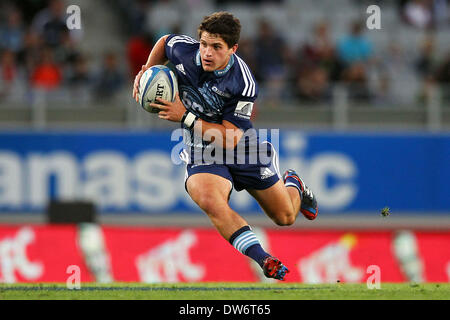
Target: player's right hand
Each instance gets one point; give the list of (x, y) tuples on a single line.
[(136, 83)]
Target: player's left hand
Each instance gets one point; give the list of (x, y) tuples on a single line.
[(172, 111)]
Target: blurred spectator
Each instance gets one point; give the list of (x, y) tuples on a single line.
[(12, 34), (443, 70), (138, 50), (110, 79), (29, 55), (8, 66), (320, 50), (79, 81), (79, 75), (425, 61), (441, 13), (443, 77), (425, 67), (272, 56), (355, 77), (68, 51), (28, 8), (8, 74), (355, 47), (418, 13), (37, 50), (316, 66), (137, 15), (313, 85), (47, 75), (425, 93), (50, 23), (354, 52)]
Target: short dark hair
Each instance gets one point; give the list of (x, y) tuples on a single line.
[(223, 24)]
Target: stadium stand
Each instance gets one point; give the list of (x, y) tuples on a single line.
[(48, 72)]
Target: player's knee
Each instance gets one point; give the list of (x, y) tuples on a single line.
[(208, 204), (286, 219)]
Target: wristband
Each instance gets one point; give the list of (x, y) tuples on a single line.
[(189, 119)]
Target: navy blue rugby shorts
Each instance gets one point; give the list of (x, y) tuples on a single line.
[(241, 176)]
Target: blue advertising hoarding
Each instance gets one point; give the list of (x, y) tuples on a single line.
[(140, 172)]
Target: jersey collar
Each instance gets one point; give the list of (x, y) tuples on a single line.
[(217, 73)]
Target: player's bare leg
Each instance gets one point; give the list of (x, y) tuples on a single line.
[(285, 199), (211, 192), (280, 203)]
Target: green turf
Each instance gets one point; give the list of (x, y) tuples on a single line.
[(225, 291)]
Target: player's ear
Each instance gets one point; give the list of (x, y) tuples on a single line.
[(234, 48)]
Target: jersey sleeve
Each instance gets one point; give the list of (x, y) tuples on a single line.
[(178, 47), (239, 110)]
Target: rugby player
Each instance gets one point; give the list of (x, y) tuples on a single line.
[(217, 91)]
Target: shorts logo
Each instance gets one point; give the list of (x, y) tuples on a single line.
[(244, 109), (266, 173)]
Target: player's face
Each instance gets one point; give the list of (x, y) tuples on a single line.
[(214, 52)]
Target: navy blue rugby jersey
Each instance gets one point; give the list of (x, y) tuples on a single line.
[(226, 94)]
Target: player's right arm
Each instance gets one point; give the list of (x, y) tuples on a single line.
[(157, 56)]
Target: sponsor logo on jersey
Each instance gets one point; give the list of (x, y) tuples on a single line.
[(220, 93), (244, 109)]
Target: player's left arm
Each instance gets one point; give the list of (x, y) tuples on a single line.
[(156, 56), (225, 135)]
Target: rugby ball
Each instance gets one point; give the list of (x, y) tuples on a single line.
[(157, 82)]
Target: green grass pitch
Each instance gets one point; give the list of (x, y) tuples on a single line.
[(225, 291)]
